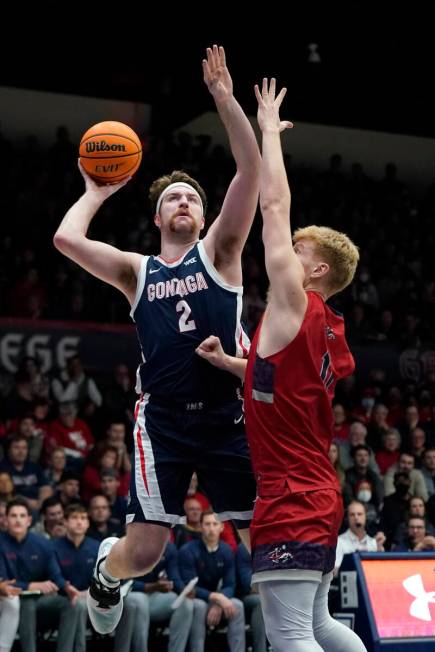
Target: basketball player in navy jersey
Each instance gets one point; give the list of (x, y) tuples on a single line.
[(189, 416), (297, 355)]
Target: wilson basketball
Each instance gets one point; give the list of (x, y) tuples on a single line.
[(110, 151)]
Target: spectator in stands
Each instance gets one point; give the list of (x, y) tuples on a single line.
[(412, 421), (69, 488), (377, 426), (104, 456), (406, 463), (417, 507), (27, 477), (356, 538), (3, 521), (364, 493), (389, 453), (9, 614), (418, 445), (363, 411), (214, 564), (120, 397), (151, 599), (101, 523), (395, 507), (74, 386), (76, 554), (341, 426), (30, 384), (428, 470), (51, 523), (110, 484), (29, 559), (357, 437), (72, 434), (417, 539), (185, 532), (116, 436), (361, 471), (35, 437), (334, 456), (250, 598), (7, 488), (55, 468)]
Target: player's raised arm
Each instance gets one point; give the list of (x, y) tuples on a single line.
[(118, 268), (284, 269), (230, 230)]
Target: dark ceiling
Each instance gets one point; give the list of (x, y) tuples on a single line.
[(372, 74)]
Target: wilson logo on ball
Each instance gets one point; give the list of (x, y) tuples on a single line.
[(102, 146)]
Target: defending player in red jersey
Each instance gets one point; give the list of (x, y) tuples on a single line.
[(297, 355)]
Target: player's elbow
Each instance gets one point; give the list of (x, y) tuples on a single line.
[(63, 242)]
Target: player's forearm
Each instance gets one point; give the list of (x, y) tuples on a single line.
[(243, 142), (274, 188), (76, 222), (236, 366)]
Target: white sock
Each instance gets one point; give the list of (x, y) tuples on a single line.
[(106, 578)]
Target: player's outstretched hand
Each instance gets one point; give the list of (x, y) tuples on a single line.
[(268, 107), (216, 74), (101, 192), (211, 349)]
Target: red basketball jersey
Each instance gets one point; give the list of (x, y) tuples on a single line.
[(288, 401)]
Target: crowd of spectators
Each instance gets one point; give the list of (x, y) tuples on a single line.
[(66, 437)]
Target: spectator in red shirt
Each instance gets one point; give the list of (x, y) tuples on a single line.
[(71, 434), (341, 425), (103, 457), (390, 451)]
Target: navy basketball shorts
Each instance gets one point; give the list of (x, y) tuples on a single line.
[(171, 441)]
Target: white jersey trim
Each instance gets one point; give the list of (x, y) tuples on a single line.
[(140, 284), (175, 262), (299, 574), (212, 271)]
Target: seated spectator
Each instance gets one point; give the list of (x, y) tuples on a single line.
[(29, 385), (27, 477), (101, 523), (74, 386), (185, 532), (76, 555), (55, 468), (51, 522), (396, 506), (26, 427), (356, 538), (418, 445), (377, 426), (214, 564), (417, 507), (151, 600), (406, 463), (110, 488), (412, 420), (71, 434), (363, 411), (116, 437), (334, 456), (3, 521), (69, 488), (9, 614), (29, 559), (361, 471), (428, 470), (417, 539), (250, 598), (364, 493), (341, 425), (389, 452), (103, 457), (357, 437), (7, 488)]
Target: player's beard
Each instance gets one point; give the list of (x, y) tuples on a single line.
[(173, 225)]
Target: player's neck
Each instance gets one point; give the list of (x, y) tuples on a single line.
[(319, 291), (171, 250)]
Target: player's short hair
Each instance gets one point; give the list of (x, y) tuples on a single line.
[(158, 186), (337, 249)]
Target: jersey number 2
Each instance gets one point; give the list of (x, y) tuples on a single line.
[(184, 323)]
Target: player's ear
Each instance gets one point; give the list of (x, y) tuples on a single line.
[(157, 220), (320, 270), (202, 223)]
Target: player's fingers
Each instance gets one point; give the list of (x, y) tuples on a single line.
[(222, 56), (264, 88), (272, 88), (281, 96)]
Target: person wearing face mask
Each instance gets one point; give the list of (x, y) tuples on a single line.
[(364, 493), (356, 538), (396, 506)]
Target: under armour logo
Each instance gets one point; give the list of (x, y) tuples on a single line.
[(420, 606)]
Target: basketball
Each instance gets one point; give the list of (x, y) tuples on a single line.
[(110, 151)]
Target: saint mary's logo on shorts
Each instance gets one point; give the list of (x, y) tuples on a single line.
[(279, 555)]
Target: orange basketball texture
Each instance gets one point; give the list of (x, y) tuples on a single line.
[(110, 151)]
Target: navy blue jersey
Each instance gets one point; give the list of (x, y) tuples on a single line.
[(177, 306)]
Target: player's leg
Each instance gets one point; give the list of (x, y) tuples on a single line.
[(287, 607), (329, 633)]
